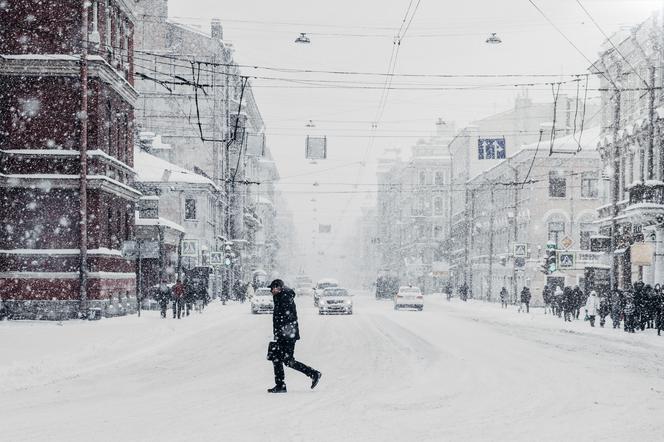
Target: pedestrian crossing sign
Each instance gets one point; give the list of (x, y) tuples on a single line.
[(566, 260), (521, 250)]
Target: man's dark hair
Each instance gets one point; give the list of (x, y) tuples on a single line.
[(276, 283)]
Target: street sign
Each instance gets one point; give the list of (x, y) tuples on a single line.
[(149, 249), (491, 148), (520, 250), (216, 258), (130, 250), (566, 260), (190, 247), (316, 148), (519, 262), (567, 242), (600, 243)]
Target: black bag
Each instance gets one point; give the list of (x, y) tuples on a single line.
[(273, 351)]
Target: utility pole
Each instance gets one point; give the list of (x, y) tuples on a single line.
[(615, 183), (491, 225), (83, 183), (516, 232), (651, 125), (469, 239)]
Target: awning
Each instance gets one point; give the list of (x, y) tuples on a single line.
[(620, 251)]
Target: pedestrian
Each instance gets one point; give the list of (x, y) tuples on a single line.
[(163, 297), (286, 333), (579, 300), (546, 297), (592, 307), (178, 298), (629, 311), (525, 299), (659, 309), (503, 297), (463, 292), (604, 309), (616, 308), (568, 304), (558, 298)]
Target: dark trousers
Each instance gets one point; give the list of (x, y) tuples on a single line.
[(286, 350), (591, 318)]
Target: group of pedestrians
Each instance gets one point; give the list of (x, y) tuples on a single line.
[(641, 306), (181, 298)]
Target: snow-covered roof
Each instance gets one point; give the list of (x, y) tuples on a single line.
[(150, 168), (159, 222)]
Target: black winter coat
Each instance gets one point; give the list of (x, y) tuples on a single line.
[(284, 318)]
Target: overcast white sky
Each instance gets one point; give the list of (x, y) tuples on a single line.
[(445, 37)]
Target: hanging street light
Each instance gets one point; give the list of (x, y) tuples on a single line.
[(302, 38), (493, 39)]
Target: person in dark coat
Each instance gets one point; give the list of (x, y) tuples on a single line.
[(503, 297), (568, 303), (286, 333), (163, 297), (178, 299), (546, 297), (579, 300), (616, 308), (630, 311), (525, 299), (659, 309)]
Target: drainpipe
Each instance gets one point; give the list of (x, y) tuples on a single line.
[(83, 190)]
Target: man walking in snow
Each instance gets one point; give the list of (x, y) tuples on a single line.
[(286, 333), (525, 300), (503, 297), (592, 307)]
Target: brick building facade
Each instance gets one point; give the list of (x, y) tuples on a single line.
[(41, 117)]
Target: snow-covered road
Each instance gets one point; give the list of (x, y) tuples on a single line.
[(454, 371)]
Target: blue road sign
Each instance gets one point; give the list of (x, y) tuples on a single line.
[(491, 149)]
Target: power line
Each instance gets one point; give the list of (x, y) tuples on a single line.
[(611, 42)]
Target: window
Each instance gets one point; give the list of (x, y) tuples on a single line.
[(189, 208), (423, 178), (438, 206), (556, 231), (586, 231), (557, 184), (589, 185), (440, 178)]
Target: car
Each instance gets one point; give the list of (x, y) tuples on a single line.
[(304, 289), (409, 297), (322, 285), (262, 301), (335, 300)]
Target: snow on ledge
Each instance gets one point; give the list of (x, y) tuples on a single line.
[(100, 251)]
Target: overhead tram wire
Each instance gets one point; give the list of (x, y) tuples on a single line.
[(592, 63), (613, 45)]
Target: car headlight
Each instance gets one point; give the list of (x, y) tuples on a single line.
[(349, 302)]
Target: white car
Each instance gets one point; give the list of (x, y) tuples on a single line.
[(335, 300), (322, 285), (409, 297), (262, 301), (304, 289)]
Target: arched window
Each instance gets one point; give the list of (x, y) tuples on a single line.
[(438, 206), (556, 228)]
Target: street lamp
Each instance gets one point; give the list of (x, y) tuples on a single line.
[(303, 38)]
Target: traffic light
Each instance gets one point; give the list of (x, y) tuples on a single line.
[(549, 264)]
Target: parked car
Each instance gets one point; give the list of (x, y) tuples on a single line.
[(322, 285), (262, 301), (335, 300), (409, 297)]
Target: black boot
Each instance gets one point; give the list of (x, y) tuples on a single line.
[(315, 378), (277, 389)]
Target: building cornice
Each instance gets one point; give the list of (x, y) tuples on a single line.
[(61, 65)]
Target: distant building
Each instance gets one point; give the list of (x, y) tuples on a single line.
[(632, 153), (521, 204), (41, 116)]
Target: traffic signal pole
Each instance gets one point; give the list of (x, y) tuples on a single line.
[(615, 186)]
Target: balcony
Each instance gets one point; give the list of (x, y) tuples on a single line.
[(647, 193)]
